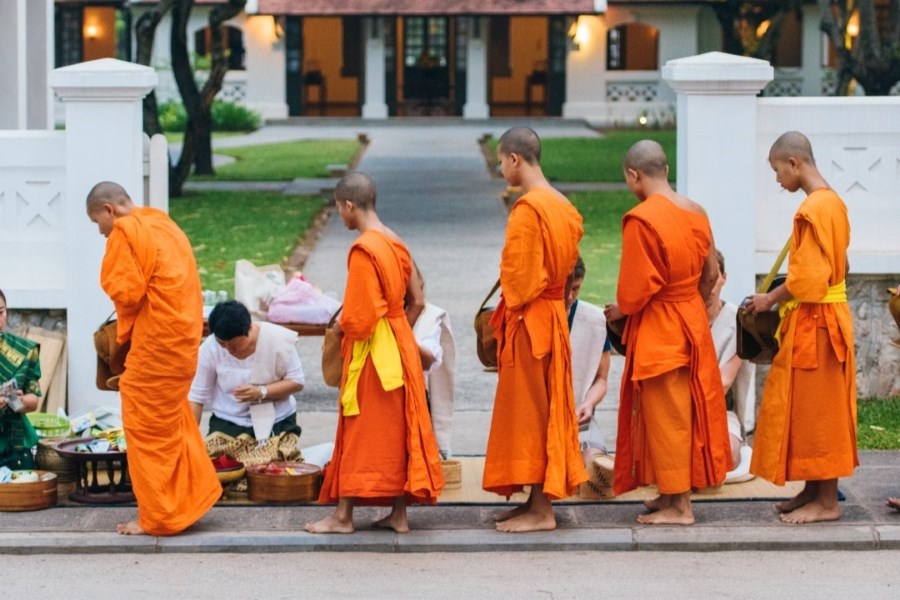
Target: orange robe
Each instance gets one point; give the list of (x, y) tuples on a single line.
[(389, 448), (150, 274), (672, 424), (534, 432), (807, 420)]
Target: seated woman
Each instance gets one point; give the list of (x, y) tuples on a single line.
[(19, 360), (244, 365)]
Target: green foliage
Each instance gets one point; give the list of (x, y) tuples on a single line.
[(878, 424), (262, 227), (226, 116), (172, 116), (596, 158), (284, 161), (601, 246), (229, 116)]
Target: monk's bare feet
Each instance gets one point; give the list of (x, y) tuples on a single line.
[(658, 503), (130, 528), (668, 516), (804, 497), (529, 521), (506, 515), (398, 523), (331, 524), (893, 503), (812, 512)]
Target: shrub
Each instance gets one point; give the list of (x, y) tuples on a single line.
[(172, 116), (229, 116), (226, 116)]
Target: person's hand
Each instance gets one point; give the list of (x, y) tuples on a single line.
[(613, 312), (247, 393), (585, 413), (758, 303)]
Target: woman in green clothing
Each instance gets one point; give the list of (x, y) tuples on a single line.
[(19, 360)]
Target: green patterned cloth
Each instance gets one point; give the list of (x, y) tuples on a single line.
[(19, 359)]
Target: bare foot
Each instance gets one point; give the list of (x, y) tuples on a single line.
[(398, 523), (668, 516), (658, 503), (130, 528), (518, 511), (812, 512), (801, 499), (529, 521), (330, 525), (894, 503)]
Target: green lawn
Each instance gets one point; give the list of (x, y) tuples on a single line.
[(262, 227), (601, 246), (283, 161), (596, 158), (176, 137), (878, 425)]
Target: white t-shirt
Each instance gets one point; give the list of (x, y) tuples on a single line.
[(219, 373)]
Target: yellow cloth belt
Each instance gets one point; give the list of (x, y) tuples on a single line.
[(382, 345), (836, 293)]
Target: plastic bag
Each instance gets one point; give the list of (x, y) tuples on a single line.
[(302, 302)]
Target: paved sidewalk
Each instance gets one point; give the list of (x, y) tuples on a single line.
[(722, 525)]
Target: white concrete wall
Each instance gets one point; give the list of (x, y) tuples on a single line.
[(855, 142), (266, 68), (34, 217)]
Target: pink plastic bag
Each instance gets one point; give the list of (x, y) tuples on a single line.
[(302, 302)]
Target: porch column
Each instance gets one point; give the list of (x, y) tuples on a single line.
[(104, 142), (717, 155), (476, 106), (374, 105), (13, 68), (39, 62)]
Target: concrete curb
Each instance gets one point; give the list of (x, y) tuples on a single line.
[(669, 539)]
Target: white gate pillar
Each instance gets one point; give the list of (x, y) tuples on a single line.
[(476, 106), (104, 142), (717, 155)]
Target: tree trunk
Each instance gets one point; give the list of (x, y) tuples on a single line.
[(145, 31), (187, 88), (203, 164)]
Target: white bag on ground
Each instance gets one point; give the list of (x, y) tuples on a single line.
[(302, 302), (255, 286)]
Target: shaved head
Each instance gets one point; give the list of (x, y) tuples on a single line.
[(793, 144), (107, 192), (647, 157), (356, 188), (521, 141)]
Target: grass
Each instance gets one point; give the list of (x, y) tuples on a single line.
[(596, 158), (283, 161), (878, 426), (601, 246), (262, 227), (176, 137)]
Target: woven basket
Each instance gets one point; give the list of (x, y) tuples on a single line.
[(28, 496), (48, 459), (49, 425), (264, 487), (452, 474)]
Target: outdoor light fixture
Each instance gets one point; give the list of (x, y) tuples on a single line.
[(578, 33), (853, 24), (763, 28), (91, 31), (278, 23)]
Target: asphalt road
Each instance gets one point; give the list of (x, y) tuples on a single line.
[(646, 575)]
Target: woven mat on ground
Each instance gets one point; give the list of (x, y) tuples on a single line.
[(471, 493)]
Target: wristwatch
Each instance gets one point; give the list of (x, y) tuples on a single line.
[(263, 392)]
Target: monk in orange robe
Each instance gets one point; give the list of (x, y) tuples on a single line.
[(534, 431), (150, 274), (807, 421), (672, 422), (385, 451)]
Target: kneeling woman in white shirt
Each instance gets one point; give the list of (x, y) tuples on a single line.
[(247, 375)]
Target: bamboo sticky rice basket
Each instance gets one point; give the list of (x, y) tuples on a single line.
[(34, 495), (303, 486)]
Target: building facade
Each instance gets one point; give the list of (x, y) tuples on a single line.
[(597, 60)]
